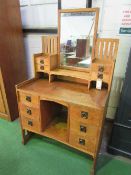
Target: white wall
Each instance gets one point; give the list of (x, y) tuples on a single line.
[(45, 15), (39, 13)]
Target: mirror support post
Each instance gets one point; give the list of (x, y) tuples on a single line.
[(88, 3), (59, 4)]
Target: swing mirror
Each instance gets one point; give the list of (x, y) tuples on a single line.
[(77, 35)]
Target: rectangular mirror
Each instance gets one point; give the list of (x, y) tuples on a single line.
[(77, 31)]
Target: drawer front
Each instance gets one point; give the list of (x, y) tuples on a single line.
[(104, 77), (81, 128), (82, 142), (30, 124), (85, 115), (101, 68), (29, 111), (41, 68), (29, 100), (43, 60)]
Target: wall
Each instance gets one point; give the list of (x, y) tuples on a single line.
[(43, 13)]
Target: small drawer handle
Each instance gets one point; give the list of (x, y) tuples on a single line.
[(28, 98), (100, 76), (42, 61), (28, 111), (81, 141), (83, 128), (101, 68), (30, 123), (42, 67), (84, 115)]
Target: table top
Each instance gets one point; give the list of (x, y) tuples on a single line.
[(67, 92)]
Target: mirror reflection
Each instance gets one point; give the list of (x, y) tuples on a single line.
[(76, 38)]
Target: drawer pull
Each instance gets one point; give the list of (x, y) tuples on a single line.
[(82, 141), (42, 67), (28, 98), (101, 68), (100, 76), (42, 61), (29, 111), (84, 115), (30, 123), (82, 128)]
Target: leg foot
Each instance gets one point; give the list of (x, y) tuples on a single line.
[(25, 136)]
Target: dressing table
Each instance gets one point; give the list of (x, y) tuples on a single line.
[(62, 102)]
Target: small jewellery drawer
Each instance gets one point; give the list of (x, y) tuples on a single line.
[(29, 111), (82, 142), (101, 68), (41, 68), (28, 99), (98, 75), (43, 60), (84, 129), (30, 124), (85, 115)]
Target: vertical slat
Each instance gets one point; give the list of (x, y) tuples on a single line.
[(55, 45), (106, 49), (101, 49), (97, 49), (111, 50), (49, 44), (45, 44), (52, 45), (115, 50)]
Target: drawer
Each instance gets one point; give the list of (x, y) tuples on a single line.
[(101, 68), (29, 99), (85, 115), (105, 77), (30, 124), (82, 142), (43, 60), (41, 68), (29, 111), (81, 128)]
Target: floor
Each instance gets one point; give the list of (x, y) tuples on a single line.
[(42, 156)]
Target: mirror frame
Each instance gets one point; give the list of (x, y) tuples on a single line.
[(96, 10)]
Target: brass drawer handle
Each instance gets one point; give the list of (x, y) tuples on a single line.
[(81, 141), (30, 123), (28, 98), (84, 115), (42, 67), (28, 111), (83, 128), (42, 61)]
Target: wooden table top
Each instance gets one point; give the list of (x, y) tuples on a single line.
[(67, 92)]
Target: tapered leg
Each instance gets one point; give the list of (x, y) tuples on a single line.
[(93, 170)]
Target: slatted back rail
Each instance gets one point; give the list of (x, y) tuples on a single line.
[(50, 44), (106, 48)]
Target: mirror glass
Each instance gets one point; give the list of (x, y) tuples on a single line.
[(76, 38)]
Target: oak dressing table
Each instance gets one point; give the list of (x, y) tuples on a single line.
[(61, 102)]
